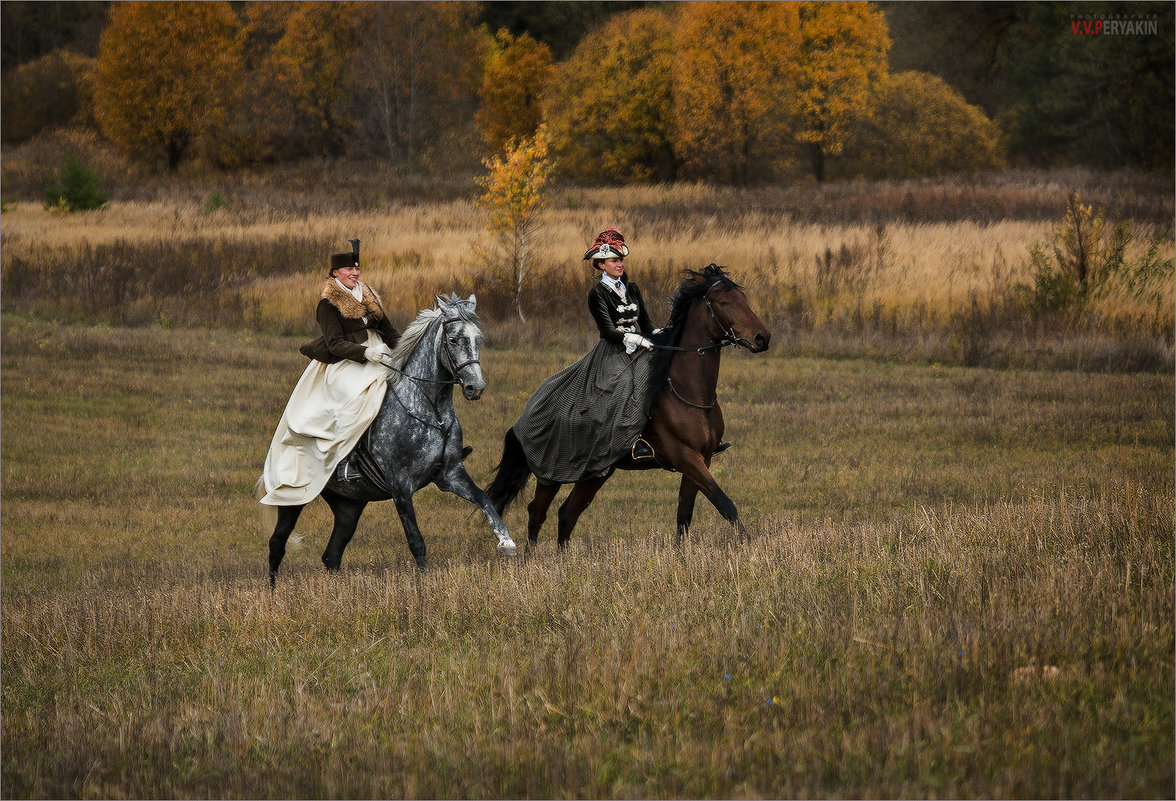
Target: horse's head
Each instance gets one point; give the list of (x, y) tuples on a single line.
[(731, 317), (461, 343)]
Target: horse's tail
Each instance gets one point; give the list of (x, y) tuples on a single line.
[(267, 515), (511, 474)]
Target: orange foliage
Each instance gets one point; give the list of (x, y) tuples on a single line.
[(517, 71), (514, 195), (609, 110), (166, 75), (919, 125), (842, 55), (733, 66)]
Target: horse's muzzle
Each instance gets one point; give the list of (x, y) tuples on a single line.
[(757, 345), (473, 390)]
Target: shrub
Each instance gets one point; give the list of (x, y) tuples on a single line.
[(919, 125), (53, 90), (74, 187), (1087, 258)]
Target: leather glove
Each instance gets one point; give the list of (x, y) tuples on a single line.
[(378, 356), (634, 341)]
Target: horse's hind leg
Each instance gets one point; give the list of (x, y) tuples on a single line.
[(578, 500), (537, 509), (346, 512), (287, 518)]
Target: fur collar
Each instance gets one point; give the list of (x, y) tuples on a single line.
[(371, 306)]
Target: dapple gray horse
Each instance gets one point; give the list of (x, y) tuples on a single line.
[(415, 439)]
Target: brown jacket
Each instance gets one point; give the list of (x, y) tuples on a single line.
[(345, 323)]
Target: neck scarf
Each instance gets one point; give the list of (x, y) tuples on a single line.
[(356, 293)]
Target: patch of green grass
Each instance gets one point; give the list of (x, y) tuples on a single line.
[(959, 584)]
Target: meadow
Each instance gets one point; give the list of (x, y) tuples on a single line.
[(959, 579), (959, 583)]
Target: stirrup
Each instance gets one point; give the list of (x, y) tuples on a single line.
[(346, 471), (641, 451), (722, 446)]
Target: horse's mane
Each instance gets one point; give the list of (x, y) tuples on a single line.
[(415, 332), (696, 284)]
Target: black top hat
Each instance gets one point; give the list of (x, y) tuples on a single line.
[(342, 260)]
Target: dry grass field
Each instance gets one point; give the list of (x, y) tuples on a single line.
[(959, 581), (959, 584)]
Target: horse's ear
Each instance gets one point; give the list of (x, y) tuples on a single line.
[(472, 302)]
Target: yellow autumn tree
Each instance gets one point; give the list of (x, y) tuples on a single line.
[(166, 76), (514, 194), (609, 111), (843, 48), (517, 71), (919, 125), (732, 120), (302, 79)]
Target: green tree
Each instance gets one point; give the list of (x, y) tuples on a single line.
[(842, 55), (515, 193), (74, 187), (166, 76), (517, 71), (917, 125), (610, 110), (732, 122)]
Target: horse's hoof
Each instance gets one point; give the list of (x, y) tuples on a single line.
[(508, 550)]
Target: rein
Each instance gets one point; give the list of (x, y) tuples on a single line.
[(729, 338), (454, 381)]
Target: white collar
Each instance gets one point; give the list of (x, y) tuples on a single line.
[(356, 293), (615, 283)]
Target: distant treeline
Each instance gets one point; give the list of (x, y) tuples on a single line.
[(737, 93)]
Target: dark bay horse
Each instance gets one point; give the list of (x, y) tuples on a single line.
[(415, 439), (709, 312)]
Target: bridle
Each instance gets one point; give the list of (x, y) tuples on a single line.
[(728, 339), (454, 370)]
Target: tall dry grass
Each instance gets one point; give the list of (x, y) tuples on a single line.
[(918, 270), (959, 584)]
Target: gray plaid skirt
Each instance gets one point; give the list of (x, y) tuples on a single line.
[(584, 418)]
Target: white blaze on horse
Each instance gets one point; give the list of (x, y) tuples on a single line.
[(415, 439)]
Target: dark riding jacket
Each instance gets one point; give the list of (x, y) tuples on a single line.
[(615, 317), (345, 322)]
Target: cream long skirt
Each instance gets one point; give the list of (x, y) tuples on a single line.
[(330, 409)]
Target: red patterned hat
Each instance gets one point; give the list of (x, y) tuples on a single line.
[(609, 244)]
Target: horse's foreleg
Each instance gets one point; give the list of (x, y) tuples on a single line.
[(416, 543), (346, 512), (578, 500), (287, 518), (687, 493), (695, 469), (537, 509), (460, 484)]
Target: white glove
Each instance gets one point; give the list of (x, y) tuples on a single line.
[(634, 341), (378, 356)]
